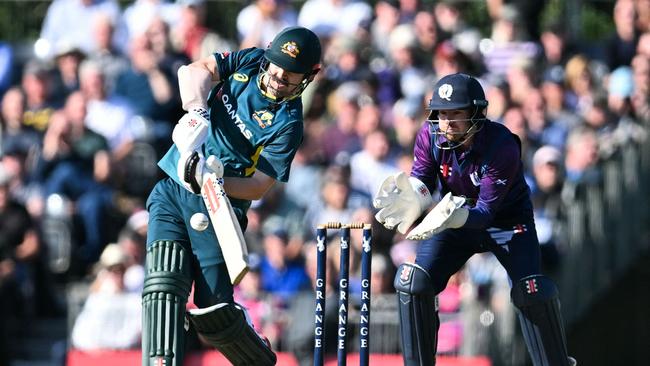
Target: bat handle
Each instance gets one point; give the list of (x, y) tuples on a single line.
[(215, 165)]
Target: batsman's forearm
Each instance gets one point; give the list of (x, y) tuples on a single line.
[(252, 188)]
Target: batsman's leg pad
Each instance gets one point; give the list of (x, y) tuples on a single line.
[(167, 285), (418, 315), (225, 327), (538, 304)]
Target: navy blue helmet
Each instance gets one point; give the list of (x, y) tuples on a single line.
[(457, 91)]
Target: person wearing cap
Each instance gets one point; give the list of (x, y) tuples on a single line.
[(475, 164), (243, 108)]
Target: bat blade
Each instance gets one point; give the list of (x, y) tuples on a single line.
[(225, 224)]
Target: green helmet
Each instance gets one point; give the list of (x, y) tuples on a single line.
[(295, 49)]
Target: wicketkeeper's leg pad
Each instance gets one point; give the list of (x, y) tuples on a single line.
[(418, 314), (225, 327), (167, 286), (538, 304)]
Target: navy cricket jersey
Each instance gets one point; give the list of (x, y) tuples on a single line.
[(489, 174), (248, 130)]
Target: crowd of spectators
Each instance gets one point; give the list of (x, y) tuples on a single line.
[(94, 107)]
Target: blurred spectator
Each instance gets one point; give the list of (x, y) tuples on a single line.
[(581, 156), (406, 123), (515, 120), (619, 90), (382, 274), (132, 243), (298, 337), (643, 15), (643, 47), (508, 43), (387, 17), (19, 243), (541, 129), (344, 62), (498, 93), (67, 58), (521, 79), (401, 46), (448, 60), (259, 21), (641, 95), (341, 137), (333, 205), (554, 43), (452, 25), (12, 130), (77, 166), (369, 166), (426, 32), (110, 318), (40, 103), (145, 84), (620, 48), (140, 13), (6, 66), (58, 28), (553, 91), (546, 191), (327, 17), (110, 59), (190, 35), (109, 116), (280, 275), (302, 187), (580, 83), (264, 309)]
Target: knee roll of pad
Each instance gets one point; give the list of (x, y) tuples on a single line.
[(225, 327)]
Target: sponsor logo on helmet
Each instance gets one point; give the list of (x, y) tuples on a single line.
[(240, 77), (263, 118), (445, 91), (291, 49)]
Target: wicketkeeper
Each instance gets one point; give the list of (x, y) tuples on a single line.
[(476, 166)]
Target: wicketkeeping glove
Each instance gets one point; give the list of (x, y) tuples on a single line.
[(449, 213), (401, 200)]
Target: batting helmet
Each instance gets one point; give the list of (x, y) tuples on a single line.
[(295, 49), (458, 91)]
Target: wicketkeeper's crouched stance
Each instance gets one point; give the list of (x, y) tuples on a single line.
[(476, 165), (244, 113)]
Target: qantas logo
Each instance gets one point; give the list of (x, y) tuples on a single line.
[(232, 112)]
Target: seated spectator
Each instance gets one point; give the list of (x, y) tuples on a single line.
[(12, 129), (370, 165), (39, 101), (264, 309), (548, 174), (281, 276), (110, 318), (259, 21), (77, 165)]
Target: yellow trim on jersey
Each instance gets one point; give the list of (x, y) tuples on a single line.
[(249, 171)]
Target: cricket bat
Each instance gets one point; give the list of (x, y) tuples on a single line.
[(225, 224)]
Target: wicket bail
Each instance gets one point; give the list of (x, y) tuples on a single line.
[(321, 272)]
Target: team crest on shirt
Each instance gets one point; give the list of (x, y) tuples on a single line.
[(264, 118), (445, 170), (445, 91), (291, 49), (240, 77)]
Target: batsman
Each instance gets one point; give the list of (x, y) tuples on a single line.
[(476, 166), (244, 123)]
